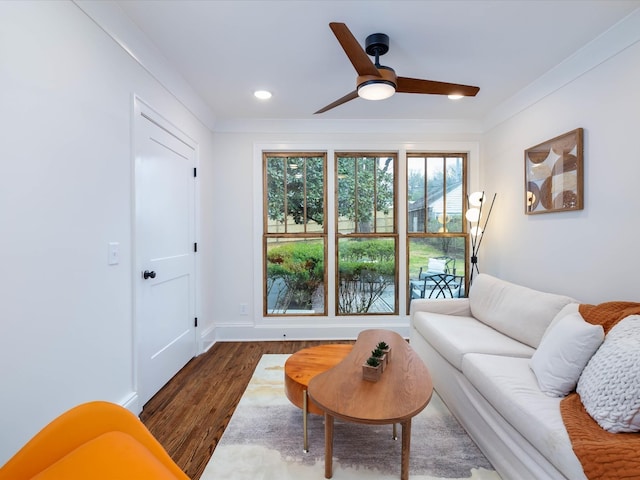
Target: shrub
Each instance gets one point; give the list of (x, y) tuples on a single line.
[(300, 266), (366, 268)]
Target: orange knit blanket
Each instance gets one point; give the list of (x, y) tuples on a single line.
[(603, 455)]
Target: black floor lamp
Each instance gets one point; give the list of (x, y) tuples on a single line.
[(475, 205)]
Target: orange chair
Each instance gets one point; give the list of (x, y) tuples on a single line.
[(95, 440)]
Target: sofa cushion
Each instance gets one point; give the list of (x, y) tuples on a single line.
[(454, 336), (448, 306), (511, 387), (563, 354), (519, 312), (609, 386)]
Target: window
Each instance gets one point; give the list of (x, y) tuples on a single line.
[(366, 234), (436, 238), (294, 239), (364, 271)]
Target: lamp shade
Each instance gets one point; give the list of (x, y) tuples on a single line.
[(475, 231), (442, 218), (473, 215), (376, 89), (476, 199)]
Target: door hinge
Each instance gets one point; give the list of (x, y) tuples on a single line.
[(195, 247), (195, 322), (195, 172)]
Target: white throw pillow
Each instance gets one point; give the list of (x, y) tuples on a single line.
[(609, 386), (437, 265), (566, 310), (563, 353)]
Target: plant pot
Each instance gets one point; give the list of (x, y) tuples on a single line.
[(383, 361), (387, 354), (371, 374)]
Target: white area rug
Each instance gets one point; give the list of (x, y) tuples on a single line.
[(263, 441)]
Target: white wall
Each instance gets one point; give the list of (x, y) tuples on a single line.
[(588, 254), (66, 325), (237, 210)]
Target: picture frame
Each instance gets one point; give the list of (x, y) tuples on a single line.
[(553, 174)]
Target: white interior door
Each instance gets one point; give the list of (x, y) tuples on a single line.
[(165, 258)]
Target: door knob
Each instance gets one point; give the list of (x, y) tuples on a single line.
[(148, 274)]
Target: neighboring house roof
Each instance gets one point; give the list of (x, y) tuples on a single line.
[(436, 204)]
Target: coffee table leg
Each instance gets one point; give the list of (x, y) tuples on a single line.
[(395, 431), (406, 448), (328, 446), (305, 411)]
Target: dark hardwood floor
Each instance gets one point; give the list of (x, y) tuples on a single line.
[(190, 413)]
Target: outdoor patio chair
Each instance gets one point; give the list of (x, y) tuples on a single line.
[(437, 280)]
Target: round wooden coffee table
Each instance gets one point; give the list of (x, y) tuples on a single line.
[(301, 367)]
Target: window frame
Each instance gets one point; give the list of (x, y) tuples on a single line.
[(267, 236), (426, 234), (370, 235)]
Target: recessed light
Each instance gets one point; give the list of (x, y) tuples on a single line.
[(262, 94), (456, 97)]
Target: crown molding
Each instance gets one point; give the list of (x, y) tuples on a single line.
[(117, 25), (337, 126), (607, 45)]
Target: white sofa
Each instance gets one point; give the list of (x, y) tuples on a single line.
[(478, 351)]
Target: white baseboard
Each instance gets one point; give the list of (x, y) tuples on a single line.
[(132, 403), (238, 333), (207, 338)]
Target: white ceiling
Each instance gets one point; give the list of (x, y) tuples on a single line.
[(227, 49)]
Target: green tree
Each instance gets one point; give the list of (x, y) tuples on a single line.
[(299, 181), (365, 185)]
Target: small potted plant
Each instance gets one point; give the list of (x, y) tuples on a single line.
[(372, 369), (380, 355), (386, 349)]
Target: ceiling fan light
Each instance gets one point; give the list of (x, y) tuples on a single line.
[(455, 96), (376, 89), (262, 94)]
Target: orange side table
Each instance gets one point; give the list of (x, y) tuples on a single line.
[(301, 367)]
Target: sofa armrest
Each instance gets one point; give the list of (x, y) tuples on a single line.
[(445, 306), (80, 426)]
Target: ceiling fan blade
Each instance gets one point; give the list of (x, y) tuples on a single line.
[(359, 58), (415, 85), (345, 99)]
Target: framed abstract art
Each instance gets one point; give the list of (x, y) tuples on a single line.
[(553, 174)]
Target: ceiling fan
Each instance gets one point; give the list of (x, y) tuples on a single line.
[(377, 82)]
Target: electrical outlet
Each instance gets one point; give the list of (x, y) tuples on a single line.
[(244, 309)]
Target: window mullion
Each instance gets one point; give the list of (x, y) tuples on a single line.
[(375, 194), (425, 210), (304, 190), (285, 202), (356, 197), (444, 194)]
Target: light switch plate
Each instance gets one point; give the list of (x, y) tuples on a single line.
[(114, 253)]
